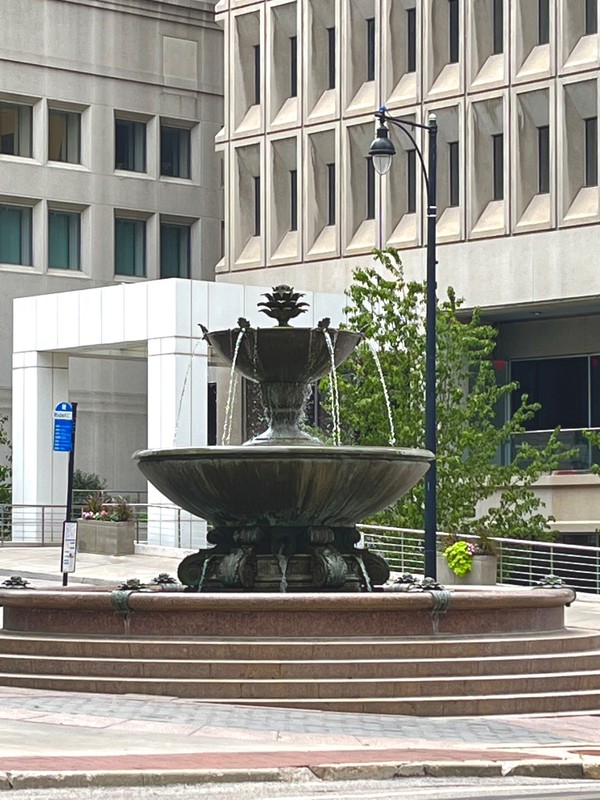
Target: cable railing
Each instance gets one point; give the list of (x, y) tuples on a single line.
[(41, 525), (520, 562), (581, 453)]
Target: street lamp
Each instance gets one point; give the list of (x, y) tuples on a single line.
[(382, 151)]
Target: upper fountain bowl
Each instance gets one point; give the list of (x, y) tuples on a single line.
[(284, 354)]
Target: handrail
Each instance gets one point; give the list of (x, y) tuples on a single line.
[(498, 539)]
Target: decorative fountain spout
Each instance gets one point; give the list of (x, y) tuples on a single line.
[(284, 506)]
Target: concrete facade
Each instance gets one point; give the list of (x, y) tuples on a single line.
[(514, 85), (90, 92)]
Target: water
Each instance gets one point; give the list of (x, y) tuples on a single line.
[(183, 388), (283, 563), (365, 574), (233, 381), (203, 573), (373, 348), (335, 397)]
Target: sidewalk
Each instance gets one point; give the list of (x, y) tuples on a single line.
[(74, 739)]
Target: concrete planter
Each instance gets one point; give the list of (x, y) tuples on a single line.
[(482, 574), (107, 538)]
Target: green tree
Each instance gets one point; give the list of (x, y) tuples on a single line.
[(391, 311), (5, 464)]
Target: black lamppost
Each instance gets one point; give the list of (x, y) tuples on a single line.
[(382, 150)]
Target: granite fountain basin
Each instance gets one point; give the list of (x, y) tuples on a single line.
[(298, 486)]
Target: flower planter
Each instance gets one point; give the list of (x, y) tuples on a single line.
[(106, 538), (482, 574)]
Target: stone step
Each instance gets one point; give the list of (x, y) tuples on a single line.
[(536, 703), (300, 649), (320, 688), (570, 700), (308, 669)]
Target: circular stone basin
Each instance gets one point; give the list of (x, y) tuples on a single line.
[(303, 486), (283, 354)]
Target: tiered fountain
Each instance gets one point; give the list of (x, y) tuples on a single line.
[(284, 506), (278, 611)]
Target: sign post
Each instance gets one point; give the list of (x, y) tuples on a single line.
[(65, 420)]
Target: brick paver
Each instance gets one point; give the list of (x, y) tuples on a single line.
[(197, 716), (244, 760)]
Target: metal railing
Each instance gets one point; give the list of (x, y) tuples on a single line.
[(582, 453), (520, 562), (42, 525)]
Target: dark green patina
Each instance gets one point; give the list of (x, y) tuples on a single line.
[(283, 506)]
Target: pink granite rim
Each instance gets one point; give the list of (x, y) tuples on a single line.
[(463, 600)]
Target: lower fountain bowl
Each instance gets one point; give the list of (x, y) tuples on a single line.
[(303, 486)]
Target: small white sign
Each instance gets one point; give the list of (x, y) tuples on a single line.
[(69, 547)]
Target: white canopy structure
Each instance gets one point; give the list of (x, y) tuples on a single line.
[(157, 320)]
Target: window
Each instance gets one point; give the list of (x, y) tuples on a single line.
[(130, 145), (174, 152), (591, 151), (498, 165), (331, 194), (370, 189), (411, 181), (591, 17), (543, 159), (568, 390), (331, 58), (543, 21), (560, 385), (293, 200), (453, 40), (63, 239), (256, 180), (15, 235), (370, 23), (498, 27), (130, 247), (174, 250), (411, 39), (453, 178), (15, 130), (293, 66), (256, 74), (63, 136)]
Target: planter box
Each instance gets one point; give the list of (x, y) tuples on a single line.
[(482, 574), (106, 538)]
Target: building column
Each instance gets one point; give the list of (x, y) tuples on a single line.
[(39, 475), (177, 403)]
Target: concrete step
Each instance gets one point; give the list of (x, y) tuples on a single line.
[(319, 688), (439, 676), (300, 649), (537, 703), (574, 699), (308, 669)]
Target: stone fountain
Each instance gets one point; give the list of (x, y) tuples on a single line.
[(278, 611), (283, 506)]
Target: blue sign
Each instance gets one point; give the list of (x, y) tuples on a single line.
[(63, 427)]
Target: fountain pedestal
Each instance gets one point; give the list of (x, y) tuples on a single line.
[(283, 559)]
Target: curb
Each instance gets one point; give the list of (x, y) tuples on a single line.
[(56, 577), (568, 769)]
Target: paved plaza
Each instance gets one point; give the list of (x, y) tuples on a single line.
[(56, 736)]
